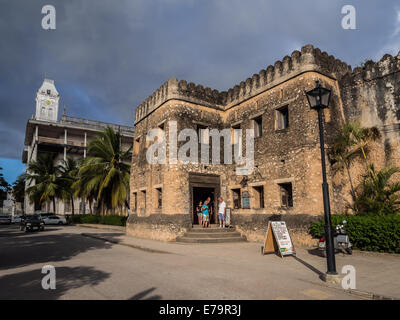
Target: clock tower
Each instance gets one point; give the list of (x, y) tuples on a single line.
[(47, 99)]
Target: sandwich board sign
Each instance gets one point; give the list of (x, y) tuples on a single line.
[(278, 239)]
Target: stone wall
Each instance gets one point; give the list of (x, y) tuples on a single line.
[(290, 155)]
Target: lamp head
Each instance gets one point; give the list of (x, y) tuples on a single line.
[(319, 97)]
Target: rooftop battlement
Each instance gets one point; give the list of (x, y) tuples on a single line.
[(374, 69), (308, 59)]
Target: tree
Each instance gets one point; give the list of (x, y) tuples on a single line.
[(69, 169), (45, 174), (104, 174), (361, 137), (352, 141), (18, 188), (4, 187), (376, 194)]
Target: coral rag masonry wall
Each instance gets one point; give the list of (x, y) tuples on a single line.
[(286, 180)]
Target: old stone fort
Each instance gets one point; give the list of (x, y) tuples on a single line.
[(286, 181)]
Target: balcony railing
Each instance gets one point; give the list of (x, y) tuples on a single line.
[(96, 124), (61, 141)]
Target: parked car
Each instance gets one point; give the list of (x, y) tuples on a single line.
[(16, 219), (46, 214), (54, 220), (5, 220), (31, 222)]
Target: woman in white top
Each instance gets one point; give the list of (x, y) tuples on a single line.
[(221, 212)]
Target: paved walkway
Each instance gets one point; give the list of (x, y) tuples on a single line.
[(377, 274)]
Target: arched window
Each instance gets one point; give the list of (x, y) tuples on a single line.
[(50, 113)]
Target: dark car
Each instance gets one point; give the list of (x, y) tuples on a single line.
[(31, 222), (5, 220)]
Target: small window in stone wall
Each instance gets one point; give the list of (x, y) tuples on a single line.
[(203, 134), (259, 196), (257, 125), (236, 142), (235, 134), (236, 198), (286, 193), (137, 145), (143, 199), (159, 197), (134, 201), (282, 118)]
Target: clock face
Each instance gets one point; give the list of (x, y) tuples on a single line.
[(48, 102)]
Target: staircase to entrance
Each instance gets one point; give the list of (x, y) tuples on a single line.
[(212, 234)]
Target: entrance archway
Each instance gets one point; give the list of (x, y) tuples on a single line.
[(201, 187), (201, 194)]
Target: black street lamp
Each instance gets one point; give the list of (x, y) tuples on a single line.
[(318, 99)]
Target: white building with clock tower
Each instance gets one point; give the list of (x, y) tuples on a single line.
[(62, 137), (47, 99)]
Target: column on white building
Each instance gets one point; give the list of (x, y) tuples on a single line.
[(65, 144), (85, 145)]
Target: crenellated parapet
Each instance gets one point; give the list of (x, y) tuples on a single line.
[(373, 70), (308, 59), (372, 93), (180, 90)]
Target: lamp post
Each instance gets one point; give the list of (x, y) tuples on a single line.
[(318, 99)]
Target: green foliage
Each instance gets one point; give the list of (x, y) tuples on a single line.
[(376, 195), (68, 176), (351, 142), (102, 177), (18, 188), (114, 220), (371, 233), (45, 174), (104, 174), (4, 187)]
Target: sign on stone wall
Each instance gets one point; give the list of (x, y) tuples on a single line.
[(278, 239), (245, 200)]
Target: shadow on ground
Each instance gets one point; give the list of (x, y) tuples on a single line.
[(316, 252), (14, 231), (309, 266), (142, 295), (20, 249), (28, 285)]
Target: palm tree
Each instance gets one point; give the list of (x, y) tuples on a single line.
[(351, 141), (69, 169), (45, 174), (104, 174), (377, 195), (360, 137), (18, 188), (84, 189), (4, 187)]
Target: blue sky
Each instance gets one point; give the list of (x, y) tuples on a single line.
[(108, 56), (12, 168)]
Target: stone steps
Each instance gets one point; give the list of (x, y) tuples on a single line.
[(213, 234)]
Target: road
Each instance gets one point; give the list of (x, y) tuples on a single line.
[(88, 268)]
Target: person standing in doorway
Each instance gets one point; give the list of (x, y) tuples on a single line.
[(221, 212), (199, 212), (210, 210), (206, 214)]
